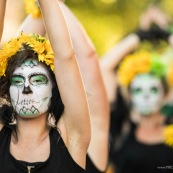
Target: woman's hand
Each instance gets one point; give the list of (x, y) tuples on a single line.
[(153, 15)]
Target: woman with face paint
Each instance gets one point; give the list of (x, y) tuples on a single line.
[(144, 148), (43, 128), (142, 76), (97, 155)]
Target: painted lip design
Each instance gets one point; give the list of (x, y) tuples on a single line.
[(26, 102), (28, 111)]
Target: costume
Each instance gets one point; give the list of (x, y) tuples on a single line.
[(135, 157), (90, 167), (145, 73), (59, 160)]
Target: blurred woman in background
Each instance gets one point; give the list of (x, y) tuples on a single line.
[(137, 127)]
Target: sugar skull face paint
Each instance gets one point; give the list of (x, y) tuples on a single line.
[(146, 94), (31, 89)]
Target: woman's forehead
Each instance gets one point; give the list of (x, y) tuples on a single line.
[(145, 79), (28, 68)]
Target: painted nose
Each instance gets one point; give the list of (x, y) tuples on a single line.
[(147, 96), (27, 90)]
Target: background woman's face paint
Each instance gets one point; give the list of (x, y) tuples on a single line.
[(31, 89), (146, 94)]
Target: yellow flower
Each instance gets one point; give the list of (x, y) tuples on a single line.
[(168, 135), (31, 7), (33, 42), (169, 76), (132, 65)]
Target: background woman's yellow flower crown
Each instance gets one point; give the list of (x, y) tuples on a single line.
[(138, 63), (34, 42), (32, 7), (168, 135)]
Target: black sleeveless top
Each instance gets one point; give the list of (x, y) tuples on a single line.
[(90, 167), (137, 157), (59, 161)]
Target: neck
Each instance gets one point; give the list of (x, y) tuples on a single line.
[(152, 121), (31, 129), (150, 129)]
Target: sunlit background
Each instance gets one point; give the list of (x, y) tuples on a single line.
[(106, 21)]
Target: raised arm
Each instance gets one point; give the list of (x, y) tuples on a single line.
[(88, 63), (96, 93), (32, 25), (2, 14), (154, 15), (75, 121), (112, 58)]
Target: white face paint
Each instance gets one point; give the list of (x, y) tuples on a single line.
[(146, 94), (31, 89)]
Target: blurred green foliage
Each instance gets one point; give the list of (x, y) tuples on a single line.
[(107, 21)]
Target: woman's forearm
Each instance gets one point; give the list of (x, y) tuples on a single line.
[(56, 27), (32, 25), (2, 14), (113, 57)]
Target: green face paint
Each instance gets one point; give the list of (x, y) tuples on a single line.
[(31, 89), (147, 94), (38, 80), (17, 81)]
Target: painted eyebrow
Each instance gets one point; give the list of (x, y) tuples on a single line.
[(37, 73), (18, 75), (30, 75)]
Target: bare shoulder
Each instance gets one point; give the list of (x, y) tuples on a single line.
[(1, 126)]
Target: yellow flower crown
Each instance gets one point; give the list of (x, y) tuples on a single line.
[(168, 135), (32, 7), (138, 63), (170, 75), (34, 42)]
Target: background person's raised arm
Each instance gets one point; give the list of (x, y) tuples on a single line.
[(87, 58)]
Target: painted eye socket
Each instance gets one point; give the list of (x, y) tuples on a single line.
[(38, 79), (154, 90), (137, 91), (17, 81)]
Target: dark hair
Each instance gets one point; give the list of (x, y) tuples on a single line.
[(6, 111), (120, 114)]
